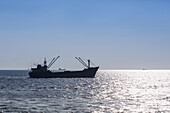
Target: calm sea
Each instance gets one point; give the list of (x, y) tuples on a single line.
[(111, 91)]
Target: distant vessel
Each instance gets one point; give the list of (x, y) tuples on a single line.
[(44, 72)]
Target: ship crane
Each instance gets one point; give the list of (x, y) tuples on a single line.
[(52, 62), (82, 62)]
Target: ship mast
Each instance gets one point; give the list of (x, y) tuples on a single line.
[(88, 63), (45, 62)]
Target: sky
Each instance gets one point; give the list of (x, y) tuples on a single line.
[(113, 34)]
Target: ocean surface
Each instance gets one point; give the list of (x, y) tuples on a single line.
[(110, 91)]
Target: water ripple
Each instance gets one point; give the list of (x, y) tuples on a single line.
[(110, 91)]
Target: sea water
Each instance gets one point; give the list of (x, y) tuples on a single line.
[(110, 91)]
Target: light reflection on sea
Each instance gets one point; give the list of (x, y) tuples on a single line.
[(110, 91)]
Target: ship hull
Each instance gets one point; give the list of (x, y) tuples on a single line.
[(86, 73)]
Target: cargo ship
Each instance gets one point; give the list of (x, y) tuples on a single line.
[(42, 71)]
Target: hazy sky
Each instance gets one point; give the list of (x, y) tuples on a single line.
[(114, 34)]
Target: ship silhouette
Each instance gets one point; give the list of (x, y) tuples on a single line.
[(42, 71)]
